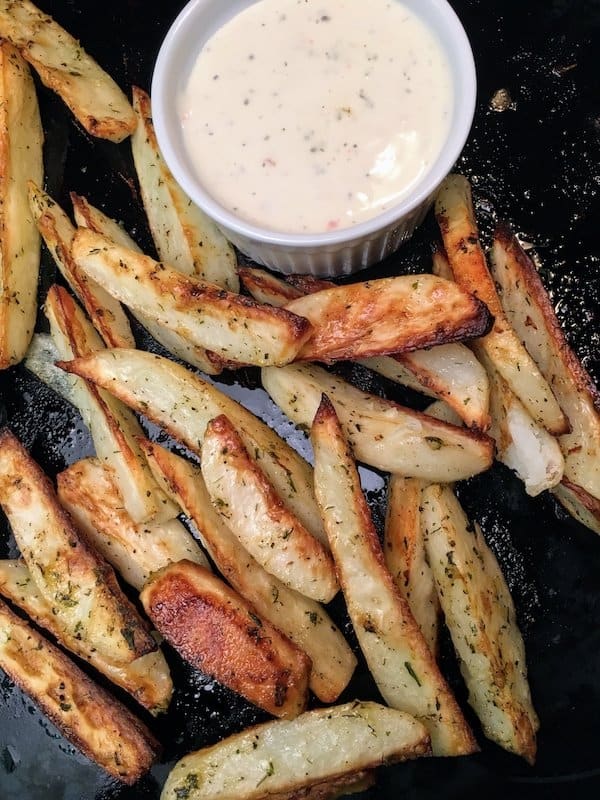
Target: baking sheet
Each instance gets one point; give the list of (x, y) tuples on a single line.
[(537, 164)]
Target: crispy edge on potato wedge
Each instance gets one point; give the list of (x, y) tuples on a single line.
[(88, 216), (405, 555), (113, 427), (183, 404), (394, 646), (456, 218), (81, 587), (105, 312), (184, 237), (147, 678), (220, 633), (64, 66), (302, 620), (480, 615), (97, 724), (581, 505), (382, 433), (531, 313), (267, 288), (389, 315), (21, 139), (241, 493), (284, 759), (235, 328), (89, 492)]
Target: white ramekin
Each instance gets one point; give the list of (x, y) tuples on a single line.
[(333, 253)]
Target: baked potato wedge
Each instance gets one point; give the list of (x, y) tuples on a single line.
[(147, 678), (480, 615), (57, 230), (456, 219), (284, 759), (183, 404), (267, 288), (235, 328), (405, 556), (531, 313), (97, 724), (21, 139), (87, 216), (302, 620), (184, 237), (114, 428), (249, 505), (220, 633), (64, 66), (394, 646), (389, 315), (80, 586), (382, 434), (89, 492), (579, 503)]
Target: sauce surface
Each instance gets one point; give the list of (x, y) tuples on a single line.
[(306, 116)]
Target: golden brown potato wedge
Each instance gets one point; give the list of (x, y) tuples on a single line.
[(480, 615), (146, 678), (532, 315), (390, 315), (105, 312), (396, 651), (64, 66), (89, 492), (81, 587), (302, 620), (220, 633), (579, 503), (183, 404), (456, 218), (405, 556), (242, 495), (235, 328), (87, 216), (103, 729), (266, 288), (21, 139), (283, 759), (383, 434), (113, 427), (185, 238)]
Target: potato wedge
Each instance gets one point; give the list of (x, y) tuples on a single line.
[(249, 505), (41, 358), (383, 434), (531, 313), (302, 620), (396, 651), (218, 632), (105, 312), (521, 443), (266, 288), (235, 328), (113, 427), (405, 557), (146, 678), (64, 66), (283, 759), (89, 492), (76, 581), (97, 724), (390, 315), (480, 615), (87, 216), (579, 503), (456, 218), (21, 138), (183, 405), (185, 238)]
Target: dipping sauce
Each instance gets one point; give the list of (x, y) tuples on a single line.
[(305, 116)]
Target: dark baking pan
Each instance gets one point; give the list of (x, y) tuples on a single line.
[(536, 163)]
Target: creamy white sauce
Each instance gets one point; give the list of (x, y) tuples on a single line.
[(312, 115)]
